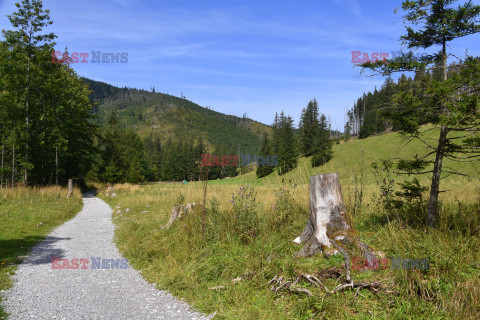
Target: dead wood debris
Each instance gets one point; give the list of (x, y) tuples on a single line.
[(216, 288), (279, 283), (246, 276)]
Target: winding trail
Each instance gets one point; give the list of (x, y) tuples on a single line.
[(41, 292)]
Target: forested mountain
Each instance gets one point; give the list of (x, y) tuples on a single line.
[(150, 113)]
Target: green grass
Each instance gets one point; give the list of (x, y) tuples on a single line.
[(356, 156), (188, 260), (26, 216)]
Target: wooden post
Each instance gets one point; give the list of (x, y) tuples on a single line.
[(70, 188), (328, 228)]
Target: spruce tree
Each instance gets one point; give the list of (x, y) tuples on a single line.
[(287, 151), (323, 144), (308, 128), (27, 40), (264, 169), (449, 103)]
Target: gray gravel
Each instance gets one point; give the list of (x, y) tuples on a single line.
[(41, 292)]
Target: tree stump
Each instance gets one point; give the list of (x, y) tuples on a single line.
[(179, 210), (70, 188), (329, 229)]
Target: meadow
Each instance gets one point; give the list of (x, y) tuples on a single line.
[(27, 215), (223, 261)]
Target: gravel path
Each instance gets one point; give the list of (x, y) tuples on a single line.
[(105, 292)]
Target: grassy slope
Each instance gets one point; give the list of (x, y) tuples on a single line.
[(26, 216), (350, 164), (347, 160), (186, 262)]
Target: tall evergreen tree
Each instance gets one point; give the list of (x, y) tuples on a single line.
[(46, 107), (323, 144), (287, 151), (276, 134), (27, 40), (265, 151), (308, 128), (451, 104)]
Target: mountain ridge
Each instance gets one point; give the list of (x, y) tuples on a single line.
[(155, 113)]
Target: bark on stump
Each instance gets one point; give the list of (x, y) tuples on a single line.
[(70, 188), (179, 211), (328, 229)]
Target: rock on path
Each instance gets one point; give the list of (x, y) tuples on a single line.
[(40, 292)]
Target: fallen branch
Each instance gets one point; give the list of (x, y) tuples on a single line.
[(279, 283), (313, 280), (216, 288)]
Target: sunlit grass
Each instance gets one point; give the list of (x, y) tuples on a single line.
[(188, 261), (26, 216)]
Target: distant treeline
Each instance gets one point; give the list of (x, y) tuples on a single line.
[(123, 157), (367, 116)]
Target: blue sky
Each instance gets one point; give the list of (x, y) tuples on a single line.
[(254, 57)]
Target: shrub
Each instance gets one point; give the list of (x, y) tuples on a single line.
[(282, 209), (245, 213)]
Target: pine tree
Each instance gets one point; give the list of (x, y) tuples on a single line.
[(451, 104), (50, 137), (308, 128), (287, 151), (29, 21), (276, 134), (323, 144), (264, 169)]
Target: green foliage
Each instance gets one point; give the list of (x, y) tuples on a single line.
[(174, 157), (448, 99), (282, 214), (314, 135), (166, 116), (265, 151), (284, 143), (121, 158), (309, 128), (322, 150), (191, 266), (408, 204), (366, 118), (46, 131), (412, 191), (386, 185)]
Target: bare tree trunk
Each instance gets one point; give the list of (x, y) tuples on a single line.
[(328, 228), (437, 170)]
